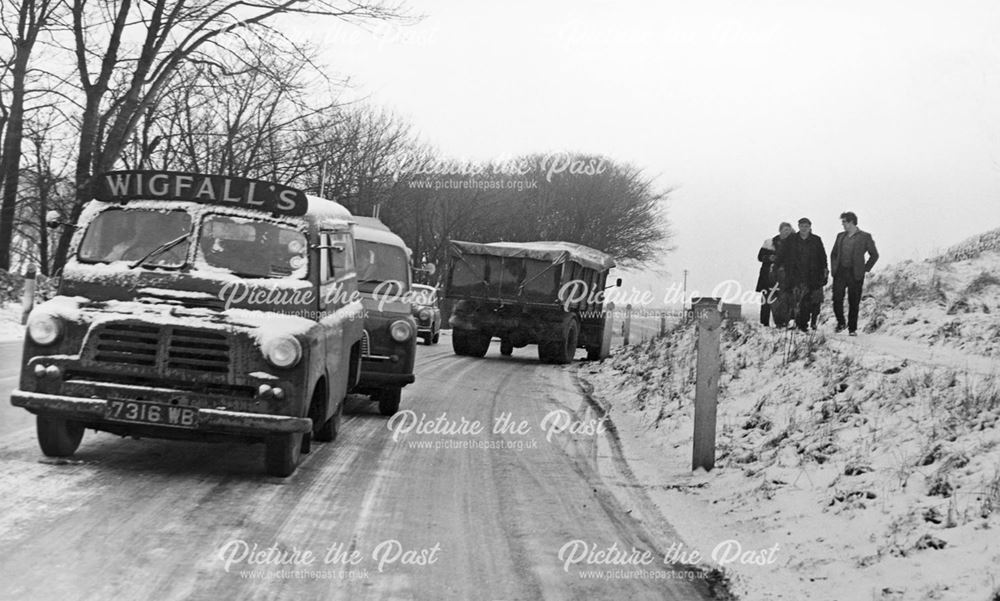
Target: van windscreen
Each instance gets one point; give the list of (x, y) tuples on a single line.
[(383, 267), (251, 248), (131, 234)]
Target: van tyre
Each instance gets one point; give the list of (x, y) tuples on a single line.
[(58, 437), (506, 348), (436, 337), (593, 353), (282, 453), (388, 400), (328, 431)]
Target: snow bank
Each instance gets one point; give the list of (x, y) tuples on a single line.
[(953, 303), (878, 478)]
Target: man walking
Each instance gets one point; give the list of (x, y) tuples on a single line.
[(847, 259), (803, 259)]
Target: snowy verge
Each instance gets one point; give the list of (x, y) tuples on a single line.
[(10, 322), (877, 477)]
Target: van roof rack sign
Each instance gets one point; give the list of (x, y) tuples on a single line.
[(222, 190)]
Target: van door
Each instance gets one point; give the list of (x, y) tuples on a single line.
[(338, 287)]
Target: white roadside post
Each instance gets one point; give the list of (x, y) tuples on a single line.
[(28, 297), (628, 323), (706, 385)]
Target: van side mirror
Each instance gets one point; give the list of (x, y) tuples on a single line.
[(52, 219), (428, 268)]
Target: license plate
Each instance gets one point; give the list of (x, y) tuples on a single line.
[(152, 413)]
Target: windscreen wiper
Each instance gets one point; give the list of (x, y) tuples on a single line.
[(159, 249)]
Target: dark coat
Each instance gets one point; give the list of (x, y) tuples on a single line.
[(803, 261), (863, 243), (766, 257)]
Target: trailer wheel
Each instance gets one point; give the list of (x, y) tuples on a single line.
[(460, 342), (58, 437), (282, 453), (471, 343), (565, 351)]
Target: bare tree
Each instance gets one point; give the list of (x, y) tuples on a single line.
[(32, 17), (121, 83)]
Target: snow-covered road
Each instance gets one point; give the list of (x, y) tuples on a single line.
[(381, 518)]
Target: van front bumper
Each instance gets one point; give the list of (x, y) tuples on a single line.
[(209, 420)]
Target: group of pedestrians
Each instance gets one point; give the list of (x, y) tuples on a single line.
[(794, 271)]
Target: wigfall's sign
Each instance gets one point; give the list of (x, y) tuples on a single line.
[(123, 186)]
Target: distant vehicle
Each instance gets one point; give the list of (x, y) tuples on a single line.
[(427, 313), (544, 293), (389, 342), (198, 307)]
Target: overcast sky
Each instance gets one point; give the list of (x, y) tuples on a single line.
[(755, 112)]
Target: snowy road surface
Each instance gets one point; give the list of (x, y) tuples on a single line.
[(11, 418), (379, 518)]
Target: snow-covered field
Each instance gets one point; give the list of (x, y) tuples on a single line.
[(873, 463)]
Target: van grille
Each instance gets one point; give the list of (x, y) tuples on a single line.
[(366, 348), (132, 344), (168, 346), (198, 350)]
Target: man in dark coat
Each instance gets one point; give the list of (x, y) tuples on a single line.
[(847, 260), (803, 260), (767, 279)]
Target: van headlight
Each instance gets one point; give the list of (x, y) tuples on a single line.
[(44, 328), (283, 351), (401, 331), (425, 314)]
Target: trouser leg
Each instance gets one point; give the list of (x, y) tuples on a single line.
[(840, 284), (804, 308), (853, 303), (765, 309)]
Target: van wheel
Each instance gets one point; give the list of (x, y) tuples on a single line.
[(282, 453), (388, 400), (593, 353), (427, 340), (506, 348), (436, 337), (328, 431), (58, 437)]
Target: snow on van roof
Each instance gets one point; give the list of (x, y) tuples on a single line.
[(373, 230), (323, 208), (553, 251)]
